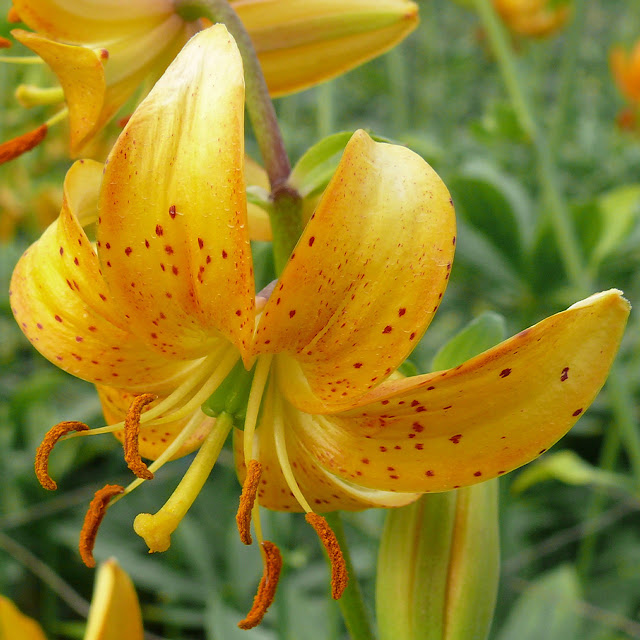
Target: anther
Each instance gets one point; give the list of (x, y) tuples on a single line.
[(92, 520), (339, 575), (17, 146), (44, 450), (131, 433), (247, 499), (267, 587), (12, 16), (5, 44)]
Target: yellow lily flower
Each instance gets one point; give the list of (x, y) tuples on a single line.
[(102, 52), (114, 612), (533, 18), (163, 310)]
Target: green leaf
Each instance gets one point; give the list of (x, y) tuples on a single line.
[(570, 468), (482, 333), (549, 608), (494, 203)]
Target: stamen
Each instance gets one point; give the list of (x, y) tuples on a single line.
[(157, 529), (31, 96), (44, 451), (131, 433), (247, 500), (92, 520), (5, 44), (12, 16), (339, 575), (258, 385), (267, 587), (17, 146)]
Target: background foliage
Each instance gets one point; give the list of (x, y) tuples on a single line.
[(570, 534)]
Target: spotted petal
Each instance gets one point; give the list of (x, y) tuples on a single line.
[(484, 418), (303, 42), (173, 234), (62, 303), (365, 278)]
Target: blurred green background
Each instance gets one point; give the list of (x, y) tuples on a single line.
[(570, 536)]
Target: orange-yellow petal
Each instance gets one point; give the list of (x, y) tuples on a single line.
[(153, 439), (115, 610), (303, 42), (173, 212), (365, 278), (81, 75), (63, 305), (14, 624), (484, 418)]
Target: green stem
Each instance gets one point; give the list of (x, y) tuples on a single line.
[(351, 604), (286, 213)]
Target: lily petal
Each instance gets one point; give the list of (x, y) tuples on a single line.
[(84, 21), (386, 218), (303, 42), (173, 214), (153, 439), (484, 418), (62, 303), (81, 75), (14, 624), (115, 610)]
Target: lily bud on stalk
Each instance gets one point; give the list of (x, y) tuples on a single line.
[(438, 566)]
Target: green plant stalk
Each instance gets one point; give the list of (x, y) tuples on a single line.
[(286, 213), (325, 112), (621, 402), (351, 604)]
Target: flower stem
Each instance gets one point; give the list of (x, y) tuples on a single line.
[(351, 603), (286, 213)]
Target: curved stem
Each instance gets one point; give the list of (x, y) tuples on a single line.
[(286, 213), (351, 604)]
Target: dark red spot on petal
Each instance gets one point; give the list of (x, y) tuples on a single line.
[(456, 439), (172, 211), (505, 372), (577, 412), (402, 311), (312, 240), (387, 329), (292, 313), (58, 318), (128, 251), (200, 242), (477, 474), (429, 473), (565, 374), (224, 254), (168, 249), (357, 365), (159, 230)]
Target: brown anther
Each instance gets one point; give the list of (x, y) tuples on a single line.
[(339, 575), (5, 44), (92, 520), (17, 146), (247, 500), (267, 587), (12, 16), (44, 450), (131, 433)]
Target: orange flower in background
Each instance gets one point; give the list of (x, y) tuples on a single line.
[(103, 51), (533, 18), (625, 68)]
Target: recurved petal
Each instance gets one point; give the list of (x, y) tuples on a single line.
[(115, 610), (484, 418), (14, 624), (323, 490), (62, 303), (366, 276), (91, 21), (173, 235), (81, 75), (303, 42), (153, 439)]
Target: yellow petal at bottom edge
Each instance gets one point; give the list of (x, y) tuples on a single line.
[(15, 625), (115, 610), (486, 417)]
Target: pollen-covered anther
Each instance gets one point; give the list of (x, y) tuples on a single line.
[(339, 575), (131, 433), (267, 587), (15, 147), (44, 450), (92, 520), (247, 500)]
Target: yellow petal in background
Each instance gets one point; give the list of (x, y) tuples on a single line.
[(81, 75), (365, 278), (115, 610), (303, 42), (173, 235), (63, 305), (14, 625), (484, 418)]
